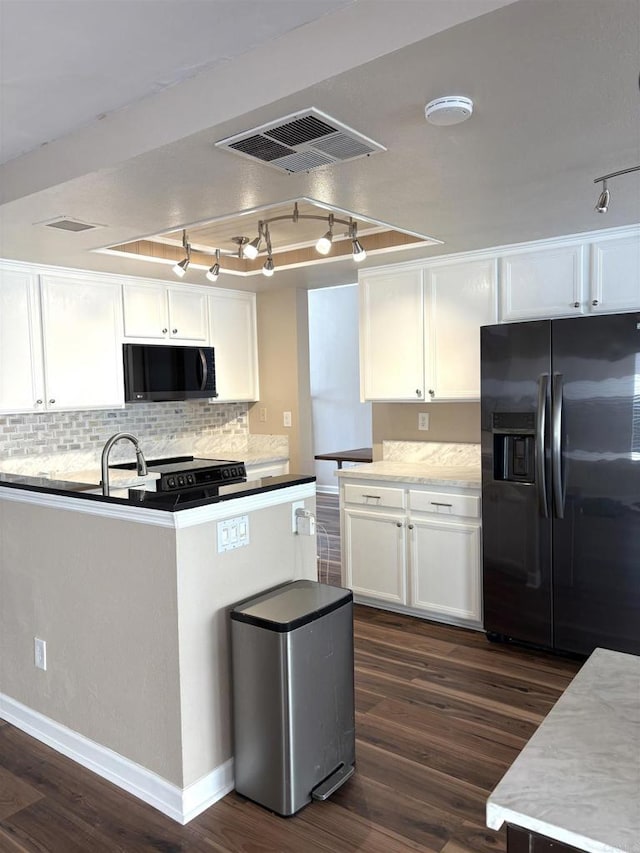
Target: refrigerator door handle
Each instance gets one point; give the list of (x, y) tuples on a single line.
[(543, 385), (556, 445)]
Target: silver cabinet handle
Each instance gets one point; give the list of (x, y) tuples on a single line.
[(595, 302), (174, 331), (410, 526), (372, 497), (398, 524), (52, 401), (432, 393), (38, 402), (438, 503), (576, 304), (418, 392), (164, 331)]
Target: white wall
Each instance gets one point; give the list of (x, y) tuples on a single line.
[(340, 420)]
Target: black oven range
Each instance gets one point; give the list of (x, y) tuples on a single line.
[(180, 473)]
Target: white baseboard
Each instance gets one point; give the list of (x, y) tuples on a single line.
[(180, 804)]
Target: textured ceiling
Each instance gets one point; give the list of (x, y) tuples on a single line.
[(555, 88)]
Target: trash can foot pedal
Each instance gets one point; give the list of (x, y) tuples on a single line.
[(332, 783)]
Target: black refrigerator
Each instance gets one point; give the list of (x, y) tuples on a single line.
[(561, 482)]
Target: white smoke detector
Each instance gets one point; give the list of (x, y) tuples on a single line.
[(450, 110)]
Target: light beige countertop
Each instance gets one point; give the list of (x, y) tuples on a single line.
[(427, 463), (84, 466), (577, 781), (421, 473)]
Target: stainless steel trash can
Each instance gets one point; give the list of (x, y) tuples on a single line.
[(293, 708)]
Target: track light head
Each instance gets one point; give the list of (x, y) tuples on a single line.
[(181, 268), (603, 201), (213, 272), (357, 251), (251, 249), (323, 246), (324, 243), (268, 267)]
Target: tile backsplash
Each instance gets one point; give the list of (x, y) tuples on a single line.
[(59, 432)]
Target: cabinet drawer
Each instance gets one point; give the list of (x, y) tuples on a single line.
[(374, 496), (444, 504)]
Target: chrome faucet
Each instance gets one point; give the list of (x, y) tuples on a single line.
[(106, 450)]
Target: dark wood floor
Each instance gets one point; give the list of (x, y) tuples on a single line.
[(440, 716)]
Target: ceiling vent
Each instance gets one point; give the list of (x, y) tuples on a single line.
[(301, 142), (66, 224)]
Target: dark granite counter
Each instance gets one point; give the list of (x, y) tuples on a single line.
[(167, 501)]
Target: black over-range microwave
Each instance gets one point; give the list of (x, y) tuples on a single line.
[(157, 372)]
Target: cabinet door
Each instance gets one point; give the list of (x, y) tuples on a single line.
[(615, 275), (375, 555), (21, 370), (188, 315), (461, 298), (445, 568), (543, 283), (392, 336), (82, 344), (145, 311), (234, 339)]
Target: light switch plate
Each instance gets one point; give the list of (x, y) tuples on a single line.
[(233, 533), (286, 419), (423, 420)]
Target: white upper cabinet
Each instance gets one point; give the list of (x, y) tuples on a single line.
[(600, 275), (461, 297), (420, 330), (60, 343), (546, 282), (392, 335), (81, 321), (21, 373), (159, 312), (615, 274), (233, 335)]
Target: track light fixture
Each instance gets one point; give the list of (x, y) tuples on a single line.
[(214, 271), (181, 267), (604, 198), (250, 249)]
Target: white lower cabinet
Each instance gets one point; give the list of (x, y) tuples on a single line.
[(445, 561), (375, 547), (411, 549)]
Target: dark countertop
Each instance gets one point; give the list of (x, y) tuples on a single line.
[(358, 454), (167, 501)]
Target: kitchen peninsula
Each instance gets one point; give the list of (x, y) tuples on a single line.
[(131, 596)]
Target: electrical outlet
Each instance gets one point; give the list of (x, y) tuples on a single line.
[(423, 420), (286, 419), (263, 414), (40, 653)]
